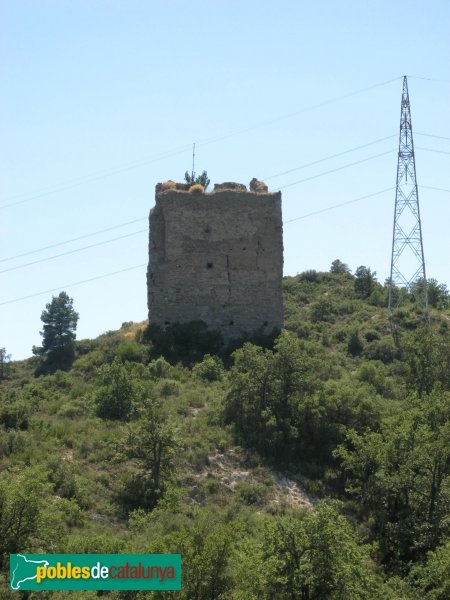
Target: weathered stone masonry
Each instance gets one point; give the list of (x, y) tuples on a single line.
[(217, 257)]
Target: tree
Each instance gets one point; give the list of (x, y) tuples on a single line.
[(20, 510), (317, 557), (4, 363), (401, 476), (202, 179), (270, 396), (438, 294), (427, 355), (364, 281), (151, 444), (58, 346), (118, 391), (433, 576), (339, 267), (355, 345)]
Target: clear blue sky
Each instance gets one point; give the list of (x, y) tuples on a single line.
[(100, 100)]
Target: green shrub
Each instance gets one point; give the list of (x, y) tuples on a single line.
[(129, 351), (185, 342), (14, 416), (160, 368), (372, 335), (340, 335), (322, 310), (312, 275), (117, 392), (354, 346), (13, 441), (62, 477), (383, 350), (75, 408), (72, 514), (201, 180), (210, 369), (303, 330), (169, 387), (89, 363), (20, 510), (251, 493)]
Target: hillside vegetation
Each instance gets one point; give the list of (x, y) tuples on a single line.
[(310, 466)]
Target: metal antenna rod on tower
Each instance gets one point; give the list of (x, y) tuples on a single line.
[(407, 260), (193, 162)]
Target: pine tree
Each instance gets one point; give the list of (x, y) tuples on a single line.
[(60, 322)]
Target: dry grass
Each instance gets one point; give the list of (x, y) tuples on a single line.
[(197, 188), (168, 185)]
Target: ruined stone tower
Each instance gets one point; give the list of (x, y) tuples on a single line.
[(216, 257)]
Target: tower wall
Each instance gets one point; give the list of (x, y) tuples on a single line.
[(217, 257)]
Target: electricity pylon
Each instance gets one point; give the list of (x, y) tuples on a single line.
[(407, 261)]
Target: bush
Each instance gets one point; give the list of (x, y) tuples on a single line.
[(168, 185), (12, 442), (383, 350), (169, 387), (197, 188), (20, 510), (185, 342), (118, 389), (322, 310), (15, 416), (340, 335), (63, 479), (251, 493), (354, 346), (129, 351), (372, 335), (210, 369), (160, 368), (87, 364), (312, 275), (202, 179)]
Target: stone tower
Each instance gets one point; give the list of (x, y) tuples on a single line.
[(216, 257)]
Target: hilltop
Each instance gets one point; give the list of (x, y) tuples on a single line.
[(313, 464)]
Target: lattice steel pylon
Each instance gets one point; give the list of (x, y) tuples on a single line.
[(407, 260)]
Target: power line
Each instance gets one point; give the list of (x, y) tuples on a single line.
[(329, 157), (432, 150), (145, 230), (89, 179), (335, 170), (138, 163), (69, 285), (430, 187), (303, 110), (328, 208), (429, 79), (30, 252), (35, 262), (124, 224), (439, 137), (75, 239), (318, 212)]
